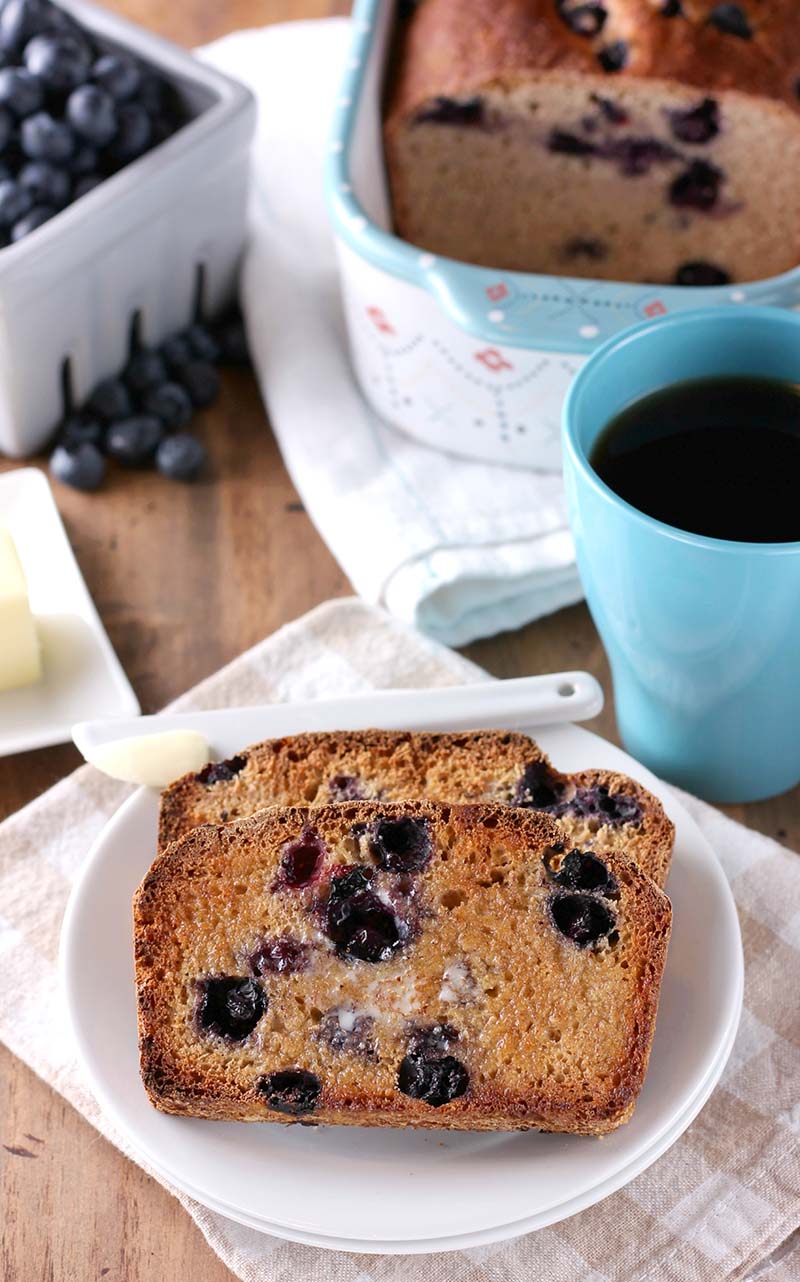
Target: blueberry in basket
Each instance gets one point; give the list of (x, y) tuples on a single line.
[(72, 112), (142, 416)]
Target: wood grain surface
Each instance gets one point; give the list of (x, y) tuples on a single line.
[(185, 578)]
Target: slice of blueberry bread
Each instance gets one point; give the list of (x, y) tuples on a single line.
[(595, 807), (642, 140), (397, 965)]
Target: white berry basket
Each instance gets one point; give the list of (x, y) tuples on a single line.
[(138, 254)]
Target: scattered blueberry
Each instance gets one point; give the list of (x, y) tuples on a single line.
[(231, 335), (346, 788), (401, 845), (133, 132), (44, 138), (20, 92), (452, 111), (697, 187), (181, 457), (80, 427), (582, 918), (30, 221), (201, 381), (170, 403), (85, 184), (92, 114), (732, 20), (110, 401), (81, 466), (282, 956), (221, 771), (302, 859), (360, 924), (133, 441), (229, 1007), (436, 1081), (15, 200), (613, 57), (700, 273), (144, 370), (347, 1032), (583, 19), (292, 1090), (697, 124), (60, 62), (118, 75), (202, 343), (176, 352), (582, 871), (48, 184)]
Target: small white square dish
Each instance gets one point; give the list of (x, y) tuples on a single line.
[(82, 675)]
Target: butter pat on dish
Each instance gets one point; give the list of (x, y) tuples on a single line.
[(20, 656)]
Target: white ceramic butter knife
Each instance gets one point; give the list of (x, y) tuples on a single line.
[(508, 705)]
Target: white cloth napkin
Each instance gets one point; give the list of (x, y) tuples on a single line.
[(460, 549), (719, 1206)]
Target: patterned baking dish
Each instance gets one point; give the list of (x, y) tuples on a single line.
[(466, 359), (135, 255)]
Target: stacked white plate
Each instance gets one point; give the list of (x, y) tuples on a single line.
[(390, 1190)]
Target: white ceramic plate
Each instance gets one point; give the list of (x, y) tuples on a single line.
[(396, 1190), (82, 675), (500, 1232)]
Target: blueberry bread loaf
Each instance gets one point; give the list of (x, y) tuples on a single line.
[(595, 807), (644, 140), (407, 965)]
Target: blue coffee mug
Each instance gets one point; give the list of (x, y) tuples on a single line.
[(702, 634)]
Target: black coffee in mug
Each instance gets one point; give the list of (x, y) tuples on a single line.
[(716, 456)]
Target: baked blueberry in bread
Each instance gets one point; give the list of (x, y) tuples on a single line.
[(413, 964), (643, 140), (596, 808)]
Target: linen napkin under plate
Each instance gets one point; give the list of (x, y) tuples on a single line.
[(460, 549), (714, 1207)]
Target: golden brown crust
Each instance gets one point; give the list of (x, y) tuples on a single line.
[(456, 47), (554, 1036), (484, 765)]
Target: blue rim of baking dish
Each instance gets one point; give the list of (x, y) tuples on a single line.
[(505, 308)]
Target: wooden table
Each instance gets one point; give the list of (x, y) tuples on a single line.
[(185, 578)]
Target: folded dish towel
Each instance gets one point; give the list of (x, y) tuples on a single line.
[(460, 549), (714, 1208)]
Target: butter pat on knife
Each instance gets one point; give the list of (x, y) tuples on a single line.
[(20, 659), (154, 760)]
